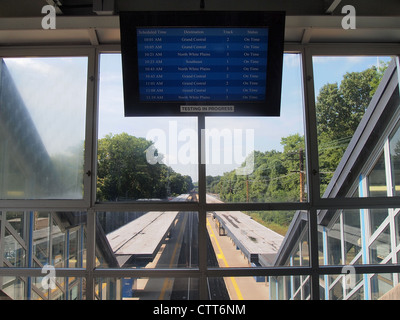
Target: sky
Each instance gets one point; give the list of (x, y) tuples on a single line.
[(55, 89), (54, 92), (174, 136)]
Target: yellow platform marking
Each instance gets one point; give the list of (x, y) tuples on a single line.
[(221, 256)]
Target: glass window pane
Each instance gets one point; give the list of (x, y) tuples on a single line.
[(377, 179), (152, 239), (147, 289), (17, 221), (380, 248), (12, 288), (397, 226), (42, 116), (256, 239), (58, 249), (345, 233), (41, 237), (343, 287), (395, 160), (260, 159), (141, 158), (334, 243), (14, 253), (49, 233), (74, 250), (382, 284), (352, 234), (344, 87), (376, 217)]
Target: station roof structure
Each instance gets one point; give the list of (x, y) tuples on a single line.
[(96, 22)]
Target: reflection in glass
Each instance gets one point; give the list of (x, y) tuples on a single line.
[(377, 217), (380, 248), (58, 243), (377, 179), (289, 288), (380, 284), (14, 253), (397, 227), (41, 237), (42, 112), (352, 234), (13, 288), (334, 243), (35, 238)]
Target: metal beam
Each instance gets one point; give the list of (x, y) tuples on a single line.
[(333, 6), (94, 40), (112, 22), (306, 36)]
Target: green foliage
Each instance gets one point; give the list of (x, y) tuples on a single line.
[(123, 172), (276, 175), (277, 221), (339, 110)]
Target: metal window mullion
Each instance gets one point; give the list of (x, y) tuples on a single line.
[(90, 254), (92, 123), (342, 251), (325, 256), (66, 263), (391, 192), (202, 240), (310, 122), (365, 231), (50, 259), (312, 166), (398, 71), (90, 178), (2, 229), (342, 240), (388, 169)]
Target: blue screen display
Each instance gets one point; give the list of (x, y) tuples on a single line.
[(202, 64)]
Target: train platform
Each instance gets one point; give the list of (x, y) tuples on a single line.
[(228, 255), (141, 239)]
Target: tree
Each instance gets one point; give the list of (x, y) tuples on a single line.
[(124, 173), (277, 175), (339, 110)]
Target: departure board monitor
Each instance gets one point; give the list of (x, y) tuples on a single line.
[(212, 63)]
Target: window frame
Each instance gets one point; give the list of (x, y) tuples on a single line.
[(50, 204), (312, 205)]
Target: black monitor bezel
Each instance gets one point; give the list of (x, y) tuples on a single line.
[(130, 21)]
